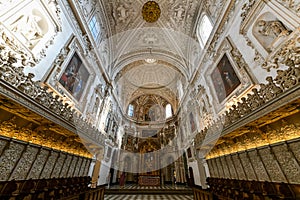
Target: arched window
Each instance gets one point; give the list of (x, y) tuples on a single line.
[(130, 110), (168, 111), (94, 27), (204, 30)]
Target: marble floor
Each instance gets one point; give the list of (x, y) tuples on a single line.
[(139, 192), (137, 187), (148, 197)]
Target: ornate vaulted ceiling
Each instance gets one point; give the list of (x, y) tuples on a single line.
[(169, 41), (178, 15)]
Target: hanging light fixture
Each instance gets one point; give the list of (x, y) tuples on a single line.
[(150, 59)]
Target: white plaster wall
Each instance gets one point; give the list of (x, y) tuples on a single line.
[(247, 52), (103, 173), (194, 165), (42, 68)]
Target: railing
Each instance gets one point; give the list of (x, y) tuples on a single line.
[(94, 194), (200, 194), (51, 189), (242, 189)]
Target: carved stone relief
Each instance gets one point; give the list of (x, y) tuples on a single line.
[(31, 161), (214, 8), (239, 167), (66, 167), (246, 164), (2, 146), (33, 24), (77, 167), (269, 31), (24, 164), (12, 64), (293, 5), (48, 168), (72, 166), (287, 162), (127, 14), (88, 6), (87, 167), (38, 165), (83, 166), (225, 167), (220, 168), (265, 30), (231, 167), (276, 161), (271, 165), (9, 159), (58, 165), (258, 166)]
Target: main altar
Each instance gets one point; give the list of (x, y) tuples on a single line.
[(149, 180), (149, 163)]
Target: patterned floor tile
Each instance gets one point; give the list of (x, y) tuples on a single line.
[(148, 197), (135, 186)]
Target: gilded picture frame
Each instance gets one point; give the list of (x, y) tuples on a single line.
[(229, 77)]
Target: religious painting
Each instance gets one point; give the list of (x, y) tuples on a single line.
[(192, 122), (189, 152), (75, 77), (224, 79), (149, 133)]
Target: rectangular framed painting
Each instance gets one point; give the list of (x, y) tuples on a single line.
[(192, 122), (224, 78), (149, 133), (74, 77), (230, 77)]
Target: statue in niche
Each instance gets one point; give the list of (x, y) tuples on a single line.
[(124, 11), (273, 28), (29, 27), (179, 13), (270, 33)]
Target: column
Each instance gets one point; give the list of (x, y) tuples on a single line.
[(201, 165), (96, 171)]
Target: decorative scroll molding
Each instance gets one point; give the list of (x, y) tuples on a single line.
[(285, 80), (293, 5), (266, 32), (213, 44), (239, 66), (288, 54), (33, 27), (277, 91), (257, 137), (12, 76), (247, 8)]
